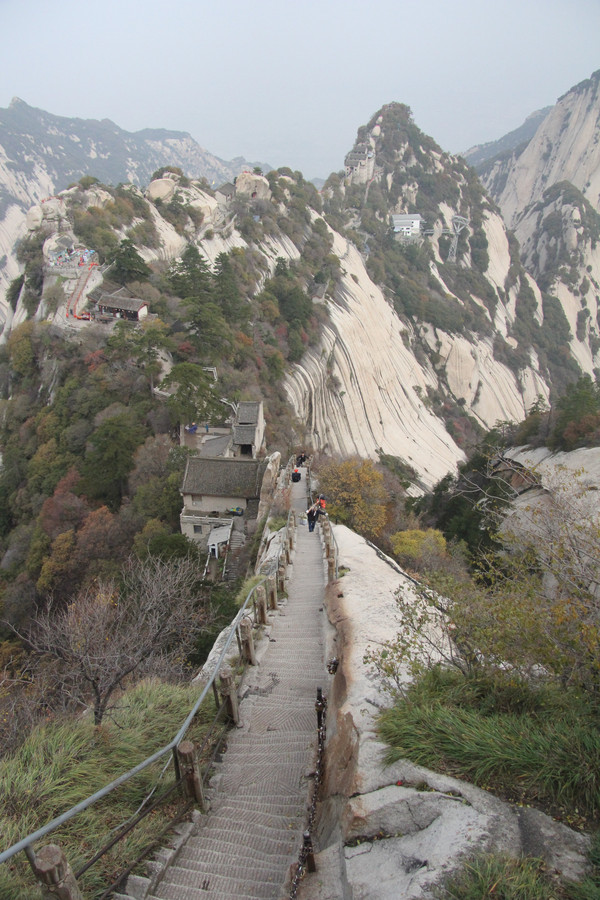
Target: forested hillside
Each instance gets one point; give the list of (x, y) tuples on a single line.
[(406, 362), (359, 342)]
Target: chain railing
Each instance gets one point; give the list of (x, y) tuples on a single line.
[(256, 600), (306, 859)]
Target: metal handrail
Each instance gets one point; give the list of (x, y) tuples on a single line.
[(30, 839)]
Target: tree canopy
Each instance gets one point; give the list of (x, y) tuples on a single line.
[(355, 493)]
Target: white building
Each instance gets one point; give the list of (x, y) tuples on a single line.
[(407, 225)]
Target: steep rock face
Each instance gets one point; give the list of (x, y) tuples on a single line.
[(363, 390), (429, 328), (560, 245), (566, 147), (549, 194)]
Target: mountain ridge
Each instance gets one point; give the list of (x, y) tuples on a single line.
[(482, 155), (423, 338), (41, 154)]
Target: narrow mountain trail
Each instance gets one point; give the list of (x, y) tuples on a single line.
[(244, 847)]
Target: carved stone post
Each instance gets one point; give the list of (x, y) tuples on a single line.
[(272, 590), (331, 569), (261, 605), (281, 576), (190, 771), (229, 693), (54, 872), (248, 641)]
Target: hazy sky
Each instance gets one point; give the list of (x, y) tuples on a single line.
[(289, 83)]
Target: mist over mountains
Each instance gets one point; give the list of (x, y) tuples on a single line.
[(41, 154), (424, 335)]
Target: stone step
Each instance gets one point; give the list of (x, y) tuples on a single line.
[(253, 848), (261, 787), (219, 888), (220, 864)]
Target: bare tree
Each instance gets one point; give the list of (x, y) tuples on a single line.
[(111, 634)]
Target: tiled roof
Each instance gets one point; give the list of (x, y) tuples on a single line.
[(128, 303), (226, 477), (215, 446), (244, 434), (117, 299), (247, 413)]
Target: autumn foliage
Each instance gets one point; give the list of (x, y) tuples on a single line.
[(355, 494)]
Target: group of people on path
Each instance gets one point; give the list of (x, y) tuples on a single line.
[(318, 507)]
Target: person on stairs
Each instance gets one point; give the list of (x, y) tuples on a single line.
[(314, 511)]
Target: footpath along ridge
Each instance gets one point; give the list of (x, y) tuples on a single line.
[(244, 847)]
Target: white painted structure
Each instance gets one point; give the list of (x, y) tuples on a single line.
[(407, 225)]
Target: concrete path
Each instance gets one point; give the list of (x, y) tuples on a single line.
[(246, 844)]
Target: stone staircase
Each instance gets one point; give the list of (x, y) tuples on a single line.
[(245, 845), (237, 541)]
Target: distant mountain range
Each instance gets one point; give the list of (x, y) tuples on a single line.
[(42, 154), (490, 301), (69, 148), (480, 154)]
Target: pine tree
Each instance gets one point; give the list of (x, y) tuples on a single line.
[(226, 292), (128, 265)]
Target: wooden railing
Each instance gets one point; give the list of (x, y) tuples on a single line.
[(191, 765)]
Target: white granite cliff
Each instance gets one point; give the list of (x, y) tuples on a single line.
[(564, 148), (363, 389)]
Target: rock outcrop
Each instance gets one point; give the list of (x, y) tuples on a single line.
[(389, 831), (41, 154), (565, 147)]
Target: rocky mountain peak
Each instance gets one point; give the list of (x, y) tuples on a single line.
[(426, 325), (566, 147)]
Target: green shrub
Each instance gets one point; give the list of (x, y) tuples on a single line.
[(536, 746), (502, 877)]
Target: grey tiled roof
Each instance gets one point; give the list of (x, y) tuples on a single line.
[(247, 413), (244, 434), (224, 477), (117, 299), (215, 446), (128, 303)]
